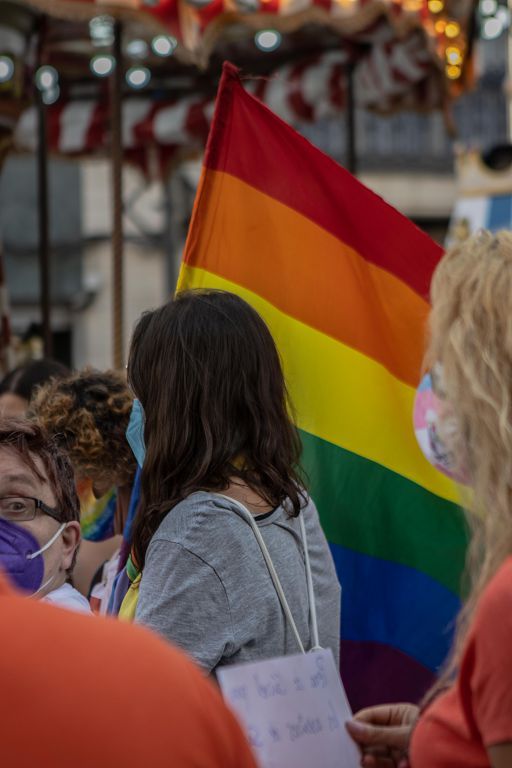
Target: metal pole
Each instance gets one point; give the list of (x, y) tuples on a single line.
[(44, 237), (6, 356), (509, 79), (116, 84), (175, 215), (350, 122)]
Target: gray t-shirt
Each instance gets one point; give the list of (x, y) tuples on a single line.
[(206, 588)]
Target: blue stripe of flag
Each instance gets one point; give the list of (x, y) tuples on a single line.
[(389, 603)]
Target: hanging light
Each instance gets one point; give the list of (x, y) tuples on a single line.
[(51, 95), (102, 65), (267, 40), (503, 14), (137, 49), (453, 56), (488, 7), (47, 77), (138, 77), (435, 6), (101, 30), (492, 28), (6, 69), (452, 29), (164, 45), (453, 72)]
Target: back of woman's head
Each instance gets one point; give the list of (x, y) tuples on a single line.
[(207, 373), (471, 336), (87, 414)]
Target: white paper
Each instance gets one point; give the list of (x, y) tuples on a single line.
[(294, 711)]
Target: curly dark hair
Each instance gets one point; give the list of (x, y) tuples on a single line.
[(87, 414)]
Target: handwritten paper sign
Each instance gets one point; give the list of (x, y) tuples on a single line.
[(294, 710)]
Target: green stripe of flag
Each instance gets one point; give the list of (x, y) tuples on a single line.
[(370, 509)]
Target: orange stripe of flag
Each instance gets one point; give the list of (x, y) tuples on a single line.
[(257, 242)]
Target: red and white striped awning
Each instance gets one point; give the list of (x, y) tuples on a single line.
[(199, 24), (396, 50), (306, 92)]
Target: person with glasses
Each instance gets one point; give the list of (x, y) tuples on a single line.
[(39, 515)]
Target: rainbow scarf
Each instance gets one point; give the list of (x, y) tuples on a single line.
[(96, 515), (342, 281)]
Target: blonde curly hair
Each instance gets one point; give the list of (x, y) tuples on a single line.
[(471, 336), (87, 414)]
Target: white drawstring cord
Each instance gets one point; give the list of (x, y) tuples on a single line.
[(244, 512)]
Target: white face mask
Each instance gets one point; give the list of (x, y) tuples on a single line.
[(40, 552), (437, 429)]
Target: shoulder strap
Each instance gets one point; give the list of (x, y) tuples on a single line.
[(249, 518), (311, 591)]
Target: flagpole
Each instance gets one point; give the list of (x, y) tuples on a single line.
[(509, 79), (44, 237), (350, 121), (116, 84)]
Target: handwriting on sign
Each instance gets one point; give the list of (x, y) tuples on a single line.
[(304, 726), (269, 688), (294, 710), (319, 678)]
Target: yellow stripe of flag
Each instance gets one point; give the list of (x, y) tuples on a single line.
[(324, 375)]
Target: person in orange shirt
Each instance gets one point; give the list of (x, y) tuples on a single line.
[(467, 719), (97, 693)]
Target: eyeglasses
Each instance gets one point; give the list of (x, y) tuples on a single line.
[(23, 509)]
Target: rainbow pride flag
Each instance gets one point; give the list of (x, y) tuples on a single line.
[(342, 280)]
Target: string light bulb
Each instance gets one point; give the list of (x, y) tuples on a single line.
[(164, 45), (51, 95), (47, 77), (138, 77), (102, 65), (488, 7), (101, 30), (492, 28), (137, 49), (267, 40), (454, 56), (452, 29), (6, 69), (453, 71)]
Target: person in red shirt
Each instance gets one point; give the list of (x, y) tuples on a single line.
[(467, 719), (91, 692)]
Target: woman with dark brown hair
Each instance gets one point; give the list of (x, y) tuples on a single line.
[(20, 385), (221, 454)]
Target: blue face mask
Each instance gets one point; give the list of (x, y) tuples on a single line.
[(135, 432)]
